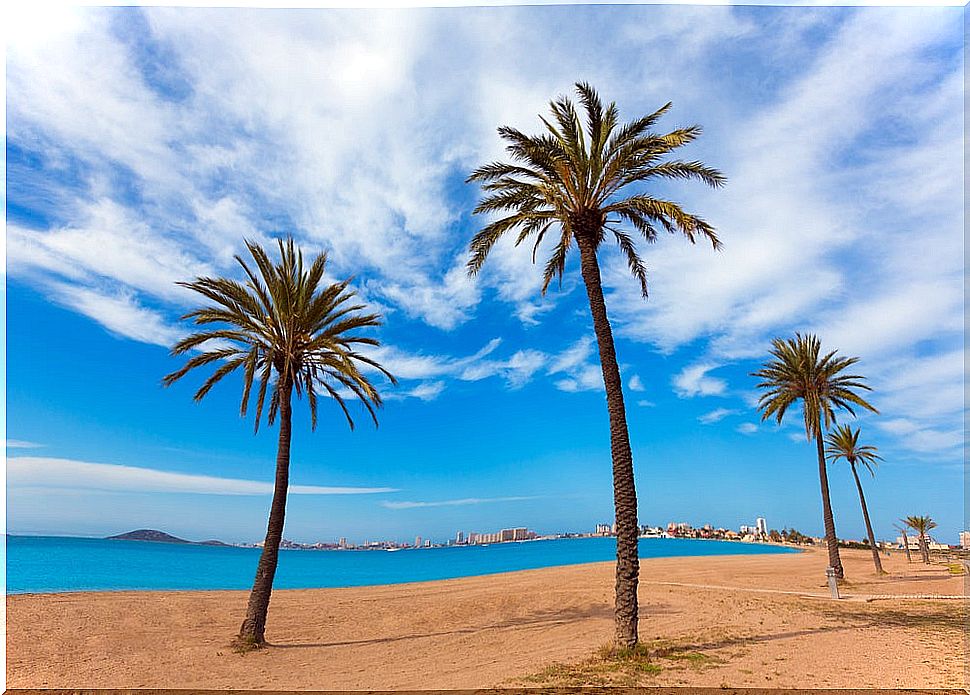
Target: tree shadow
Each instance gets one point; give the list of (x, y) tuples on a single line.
[(742, 641), (534, 620), (933, 616)]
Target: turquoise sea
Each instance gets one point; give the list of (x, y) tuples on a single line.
[(43, 564)]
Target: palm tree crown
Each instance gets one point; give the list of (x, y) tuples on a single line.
[(843, 443), (921, 524), (798, 373), (574, 179), (284, 329)]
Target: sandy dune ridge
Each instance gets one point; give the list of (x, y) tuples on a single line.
[(739, 621)]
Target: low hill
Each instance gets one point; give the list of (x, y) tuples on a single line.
[(147, 534)]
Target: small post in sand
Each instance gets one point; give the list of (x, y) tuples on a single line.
[(833, 582)]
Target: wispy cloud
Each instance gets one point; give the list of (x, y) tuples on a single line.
[(40, 472), (919, 438), (453, 503), (834, 164), (747, 428), (427, 391), (21, 444), (692, 380), (716, 415), (587, 378)]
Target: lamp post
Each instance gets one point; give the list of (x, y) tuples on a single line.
[(833, 582)]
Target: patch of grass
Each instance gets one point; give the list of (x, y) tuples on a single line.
[(609, 666), (955, 568), (636, 659), (695, 660), (553, 672), (244, 646)]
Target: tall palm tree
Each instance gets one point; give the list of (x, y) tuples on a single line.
[(844, 443), (289, 332), (922, 525), (799, 372), (585, 181)]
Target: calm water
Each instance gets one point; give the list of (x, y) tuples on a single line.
[(51, 564)]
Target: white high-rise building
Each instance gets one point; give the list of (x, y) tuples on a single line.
[(965, 540), (762, 526), (459, 538), (417, 541)]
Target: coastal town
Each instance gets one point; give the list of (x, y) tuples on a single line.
[(756, 533)]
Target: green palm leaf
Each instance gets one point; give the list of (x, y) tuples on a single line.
[(843, 443), (283, 326), (580, 171)]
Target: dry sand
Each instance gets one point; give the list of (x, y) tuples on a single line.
[(524, 628)]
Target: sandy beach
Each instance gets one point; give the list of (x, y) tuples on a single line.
[(760, 621)]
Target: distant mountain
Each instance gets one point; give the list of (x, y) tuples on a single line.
[(213, 542), (147, 534)]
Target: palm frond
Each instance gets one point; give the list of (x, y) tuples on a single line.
[(578, 173), (798, 373), (287, 330)]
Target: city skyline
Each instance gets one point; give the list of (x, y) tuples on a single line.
[(143, 145)]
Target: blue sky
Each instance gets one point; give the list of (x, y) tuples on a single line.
[(144, 145)]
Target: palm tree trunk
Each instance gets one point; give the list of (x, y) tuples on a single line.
[(624, 488), (865, 514), (830, 538), (909, 556), (924, 549), (252, 632)]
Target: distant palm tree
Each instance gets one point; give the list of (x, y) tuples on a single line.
[(902, 531), (288, 331), (844, 443), (922, 525), (799, 372), (583, 181)]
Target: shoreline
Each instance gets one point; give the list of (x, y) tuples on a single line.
[(388, 585), (337, 569), (741, 620)]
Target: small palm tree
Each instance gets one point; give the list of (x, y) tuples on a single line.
[(289, 332), (583, 181), (905, 536), (922, 525), (844, 443), (799, 372)]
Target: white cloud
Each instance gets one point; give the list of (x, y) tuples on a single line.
[(517, 370), (345, 128), (921, 439), (120, 313), (41, 472), (573, 356), (692, 380), (21, 444), (428, 390), (453, 503), (522, 365), (747, 428), (716, 415), (587, 378), (635, 384), (108, 242)]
